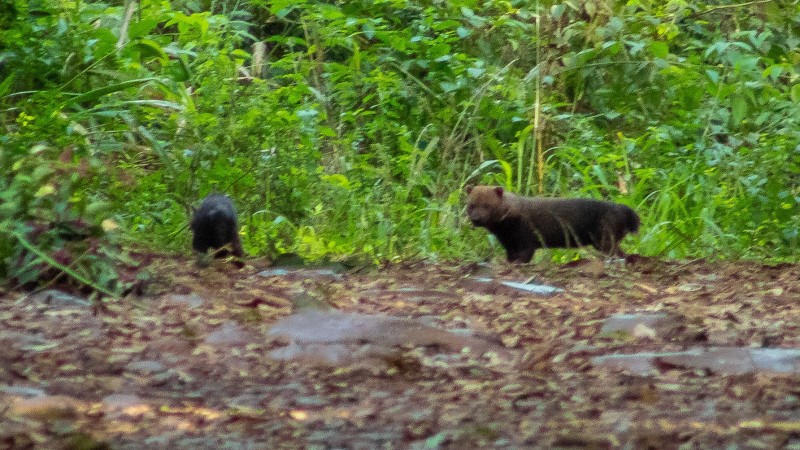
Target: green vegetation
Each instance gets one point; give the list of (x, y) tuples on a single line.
[(352, 126)]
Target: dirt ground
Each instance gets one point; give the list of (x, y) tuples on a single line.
[(192, 364)]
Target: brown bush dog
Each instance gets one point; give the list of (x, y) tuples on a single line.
[(214, 225), (524, 224)]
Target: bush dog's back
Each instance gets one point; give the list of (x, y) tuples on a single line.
[(524, 224)]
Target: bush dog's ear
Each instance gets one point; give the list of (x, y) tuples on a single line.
[(499, 191), (469, 188)]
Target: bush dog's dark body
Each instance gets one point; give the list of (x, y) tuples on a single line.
[(214, 225), (524, 224)]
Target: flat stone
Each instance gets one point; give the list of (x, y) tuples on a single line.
[(628, 322), (279, 272), (54, 296), (482, 283), (22, 391), (336, 354), (779, 360), (190, 300), (726, 360), (539, 289), (301, 274), (146, 366), (32, 342), (340, 327), (335, 337), (720, 360)]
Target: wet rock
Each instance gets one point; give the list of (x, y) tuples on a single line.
[(228, 333), (22, 391), (191, 301), (59, 298), (780, 360), (539, 289), (492, 286), (727, 360)]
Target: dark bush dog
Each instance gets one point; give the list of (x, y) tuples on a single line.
[(214, 226), (523, 224)]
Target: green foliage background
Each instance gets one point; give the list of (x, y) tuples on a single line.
[(346, 127)]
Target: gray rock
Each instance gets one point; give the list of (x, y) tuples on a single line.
[(146, 367), (54, 296), (301, 274), (727, 360), (336, 354), (121, 401), (538, 289), (632, 323), (335, 337), (190, 300), (228, 333), (340, 327), (22, 391)]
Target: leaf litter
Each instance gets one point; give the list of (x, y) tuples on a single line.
[(411, 355)]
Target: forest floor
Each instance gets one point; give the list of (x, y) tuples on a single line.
[(411, 355)]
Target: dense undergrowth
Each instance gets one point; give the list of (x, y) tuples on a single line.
[(352, 127)]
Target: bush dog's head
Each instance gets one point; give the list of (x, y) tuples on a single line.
[(487, 205)]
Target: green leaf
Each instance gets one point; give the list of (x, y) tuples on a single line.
[(149, 47), (141, 28), (713, 75), (658, 49), (98, 207), (448, 86), (476, 72), (738, 109), (5, 86), (795, 93), (105, 90), (590, 8), (327, 131), (45, 190), (369, 30), (773, 71)]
